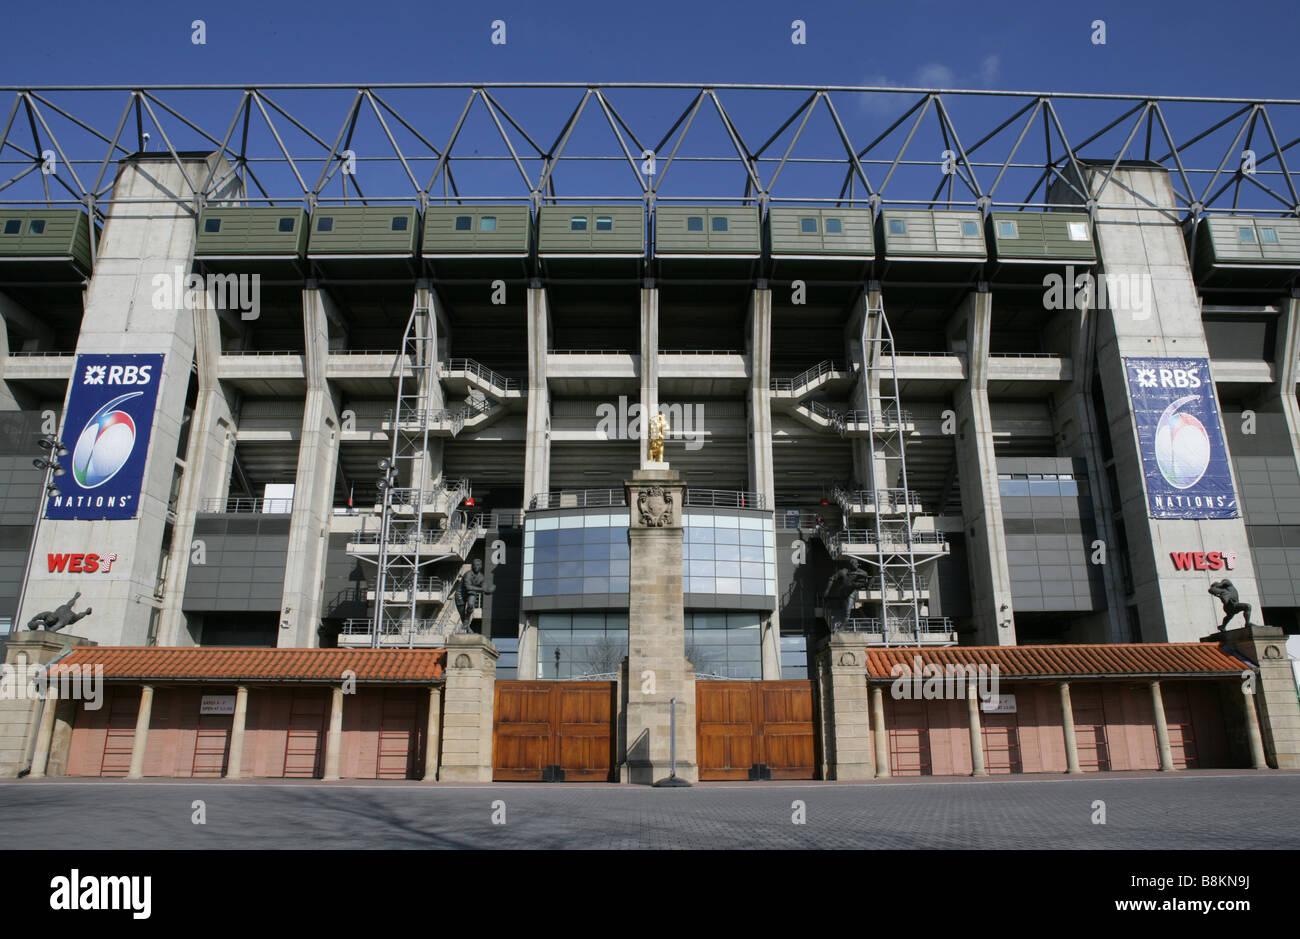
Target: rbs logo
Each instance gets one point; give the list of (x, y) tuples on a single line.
[(1169, 377), (117, 375)]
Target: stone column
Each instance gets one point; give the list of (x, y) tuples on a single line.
[(878, 732), (334, 742), (1275, 691), (1257, 758), (1067, 721), (234, 765), (1162, 728), (845, 715), (141, 740), (761, 475), (432, 734), (45, 733), (976, 733), (467, 709), (649, 364), (20, 713), (656, 631)]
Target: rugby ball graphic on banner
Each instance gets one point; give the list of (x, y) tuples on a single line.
[(107, 427), (1180, 439)]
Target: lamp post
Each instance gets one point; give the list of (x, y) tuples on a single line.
[(50, 464), (385, 484)]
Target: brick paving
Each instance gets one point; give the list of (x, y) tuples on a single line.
[(1192, 810)]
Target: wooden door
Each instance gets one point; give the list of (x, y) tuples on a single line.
[(123, 710), (755, 730), (1001, 738), (553, 731), (1178, 715), (1090, 728), (308, 712), (908, 725), (399, 734)]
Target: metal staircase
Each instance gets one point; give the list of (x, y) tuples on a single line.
[(420, 522)]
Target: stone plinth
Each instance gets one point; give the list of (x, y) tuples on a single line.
[(20, 708), (845, 715), (657, 668), (467, 709), (1275, 691)]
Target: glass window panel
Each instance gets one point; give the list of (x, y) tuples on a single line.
[(808, 226), (595, 521), (1268, 236), (569, 585), (708, 620), (463, 222), (570, 568), (695, 223), (399, 222), (897, 226), (1008, 229), (726, 536), (750, 522), (570, 536), (595, 585), (834, 226), (545, 524), (750, 587), (604, 223), (752, 537), (620, 549), (1246, 236), (728, 585), (209, 225), (719, 223), (13, 226), (487, 223), (727, 552), (748, 569), (596, 552), (618, 584), (701, 568), (595, 568), (578, 223), (325, 223), (1078, 231), (970, 229)]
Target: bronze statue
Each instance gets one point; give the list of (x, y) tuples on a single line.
[(1231, 600), (658, 431), (841, 587), (469, 593), (54, 620)]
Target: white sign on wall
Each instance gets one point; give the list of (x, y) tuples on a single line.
[(999, 704), (217, 704)]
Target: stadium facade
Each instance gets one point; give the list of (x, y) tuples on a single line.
[(906, 408)]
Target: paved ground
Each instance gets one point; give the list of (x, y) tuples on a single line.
[(1217, 810)]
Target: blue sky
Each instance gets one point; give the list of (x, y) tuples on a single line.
[(1195, 47), (1191, 48)]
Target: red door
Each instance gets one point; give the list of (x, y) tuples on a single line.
[(306, 732), (1178, 715), (1001, 736), (1090, 729), (909, 738), (123, 709), (399, 735)]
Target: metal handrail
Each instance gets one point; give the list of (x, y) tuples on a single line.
[(700, 352), (244, 505), (824, 367), (390, 353), (578, 499), (891, 536), (879, 418), (263, 352), (480, 371), (36, 352), (725, 498), (589, 352)]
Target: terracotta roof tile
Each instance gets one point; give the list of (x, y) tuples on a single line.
[(228, 663), (1120, 660)]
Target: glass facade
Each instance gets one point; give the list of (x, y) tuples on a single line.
[(794, 657), (572, 555), (589, 645)]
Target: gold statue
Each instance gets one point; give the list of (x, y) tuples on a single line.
[(658, 431)]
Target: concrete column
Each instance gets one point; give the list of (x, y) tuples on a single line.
[(649, 364), (1067, 722), (467, 709), (334, 742), (45, 733), (845, 714), (527, 669), (22, 323), (433, 734), (235, 764), (758, 331), (1162, 728), (537, 441), (1275, 691), (981, 499), (976, 733), (141, 739), (1257, 758), (150, 233), (878, 733), (313, 490), (656, 632)]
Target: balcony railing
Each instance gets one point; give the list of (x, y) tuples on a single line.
[(242, 506), (700, 352), (928, 626), (578, 499), (588, 352), (825, 367), (470, 367), (725, 498)]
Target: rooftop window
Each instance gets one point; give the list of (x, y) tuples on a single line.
[(487, 223), (1268, 236), (36, 226), (970, 229), (604, 223), (720, 223), (212, 224), (578, 223), (1246, 235), (286, 224), (897, 226), (808, 226), (463, 222), (13, 226), (834, 226), (1078, 231), (695, 223), (399, 222), (1008, 229), (325, 223)]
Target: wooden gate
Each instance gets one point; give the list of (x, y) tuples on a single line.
[(908, 726), (303, 753), (755, 730), (553, 731)]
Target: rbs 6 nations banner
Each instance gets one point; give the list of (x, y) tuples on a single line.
[(1184, 460), (107, 427)]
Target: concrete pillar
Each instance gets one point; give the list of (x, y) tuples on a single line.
[(433, 734), (649, 364), (235, 764), (976, 732), (1257, 758), (1162, 728), (141, 739), (527, 669), (878, 733), (1275, 691), (537, 440), (758, 331), (656, 632), (467, 709), (150, 233), (845, 714), (313, 491), (1067, 722), (991, 604), (45, 733), (334, 742)]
